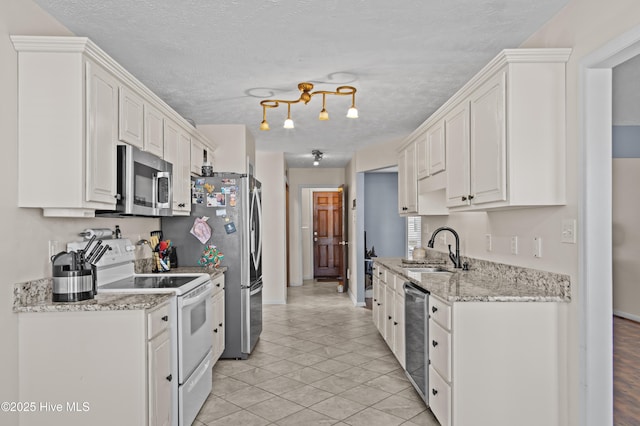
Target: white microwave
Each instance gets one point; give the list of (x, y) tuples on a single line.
[(144, 184)]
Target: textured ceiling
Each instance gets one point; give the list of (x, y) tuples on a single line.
[(214, 61)]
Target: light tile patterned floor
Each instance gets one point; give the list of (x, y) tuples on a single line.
[(319, 361)]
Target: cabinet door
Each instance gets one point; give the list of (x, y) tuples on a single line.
[(199, 154), (131, 118), (488, 142), (381, 308), (457, 153), (183, 177), (102, 124), (399, 325), (160, 380), (407, 181), (436, 148), (218, 325), (389, 305), (376, 300), (422, 156), (153, 131)]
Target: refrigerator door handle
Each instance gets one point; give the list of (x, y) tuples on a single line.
[(256, 240)]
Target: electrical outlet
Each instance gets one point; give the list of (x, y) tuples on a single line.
[(537, 247), (568, 231), (487, 242), (514, 244)]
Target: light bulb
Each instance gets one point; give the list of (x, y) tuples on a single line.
[(264, 125), (324, 115), (352, 112), (288, 123)]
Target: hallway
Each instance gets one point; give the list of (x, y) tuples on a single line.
[(319, 361)]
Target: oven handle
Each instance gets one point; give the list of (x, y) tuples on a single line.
[(200, 294)]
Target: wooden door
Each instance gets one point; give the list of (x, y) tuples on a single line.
[(327, 234)]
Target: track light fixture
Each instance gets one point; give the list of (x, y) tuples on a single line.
[(317, 156), (305, 96)]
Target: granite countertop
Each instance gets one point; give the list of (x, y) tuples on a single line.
[(486, 282), (35, 296)]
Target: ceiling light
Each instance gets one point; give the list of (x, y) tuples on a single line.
[(317, 156), (305, 96)]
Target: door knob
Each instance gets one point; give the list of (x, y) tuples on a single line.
[(315, 239)]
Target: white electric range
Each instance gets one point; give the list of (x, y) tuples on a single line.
[(192, 326)]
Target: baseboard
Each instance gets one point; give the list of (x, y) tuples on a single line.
[(354, 300), (274, 302), (631, 317), (295, 284)]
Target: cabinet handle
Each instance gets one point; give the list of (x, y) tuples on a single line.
[(215, 330), (389, 317), (220, 325), (471, 197), (375, 300), (181, 205), (434, 309), (395, 323), (434, 343), (434, 392), (165, 318), (218, 285), (464, 198), (378, 304), (118, 197), (170, 377)]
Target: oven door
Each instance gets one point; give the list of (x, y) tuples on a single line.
[(195, 325)]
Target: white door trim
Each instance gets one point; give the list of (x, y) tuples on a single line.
[(594, 212)]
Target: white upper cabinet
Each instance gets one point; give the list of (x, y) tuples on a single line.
[(101, 135), (422, 156), (131, 118), (75, 104), (436, 148), (407, 181), (177, 151), (505, 133), (153, 130)]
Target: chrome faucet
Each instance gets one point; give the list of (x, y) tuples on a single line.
[(455, 258)]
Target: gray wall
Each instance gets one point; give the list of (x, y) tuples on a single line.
[(384, 227)]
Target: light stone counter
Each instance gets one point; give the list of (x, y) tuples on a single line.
[(36, 296), (485, 281)]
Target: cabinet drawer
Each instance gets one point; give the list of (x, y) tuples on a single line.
[(440, 349), (158, 320), (218, 284), (440, 312), (391, 281), (439, 398), (381, 273)]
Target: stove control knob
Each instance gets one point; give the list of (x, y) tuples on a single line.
[(130, 248)]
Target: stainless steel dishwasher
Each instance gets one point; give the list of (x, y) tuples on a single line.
[(417, 336)]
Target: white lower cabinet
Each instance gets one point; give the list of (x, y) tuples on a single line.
[(101, 368), (218, 318), (388, 311), (494, 363)]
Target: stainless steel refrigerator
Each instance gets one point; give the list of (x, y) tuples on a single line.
[(233, 204)]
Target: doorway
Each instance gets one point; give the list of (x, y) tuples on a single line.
[(328, 235), (595, 213)]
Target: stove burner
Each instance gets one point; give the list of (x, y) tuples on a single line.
[(146, 282)]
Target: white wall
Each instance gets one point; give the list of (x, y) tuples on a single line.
[(25, 233), (626, 237), (376, 156), (298, 179), (234, 143), (270, 171)]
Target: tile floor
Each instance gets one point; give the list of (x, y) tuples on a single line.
[(319, 361)]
